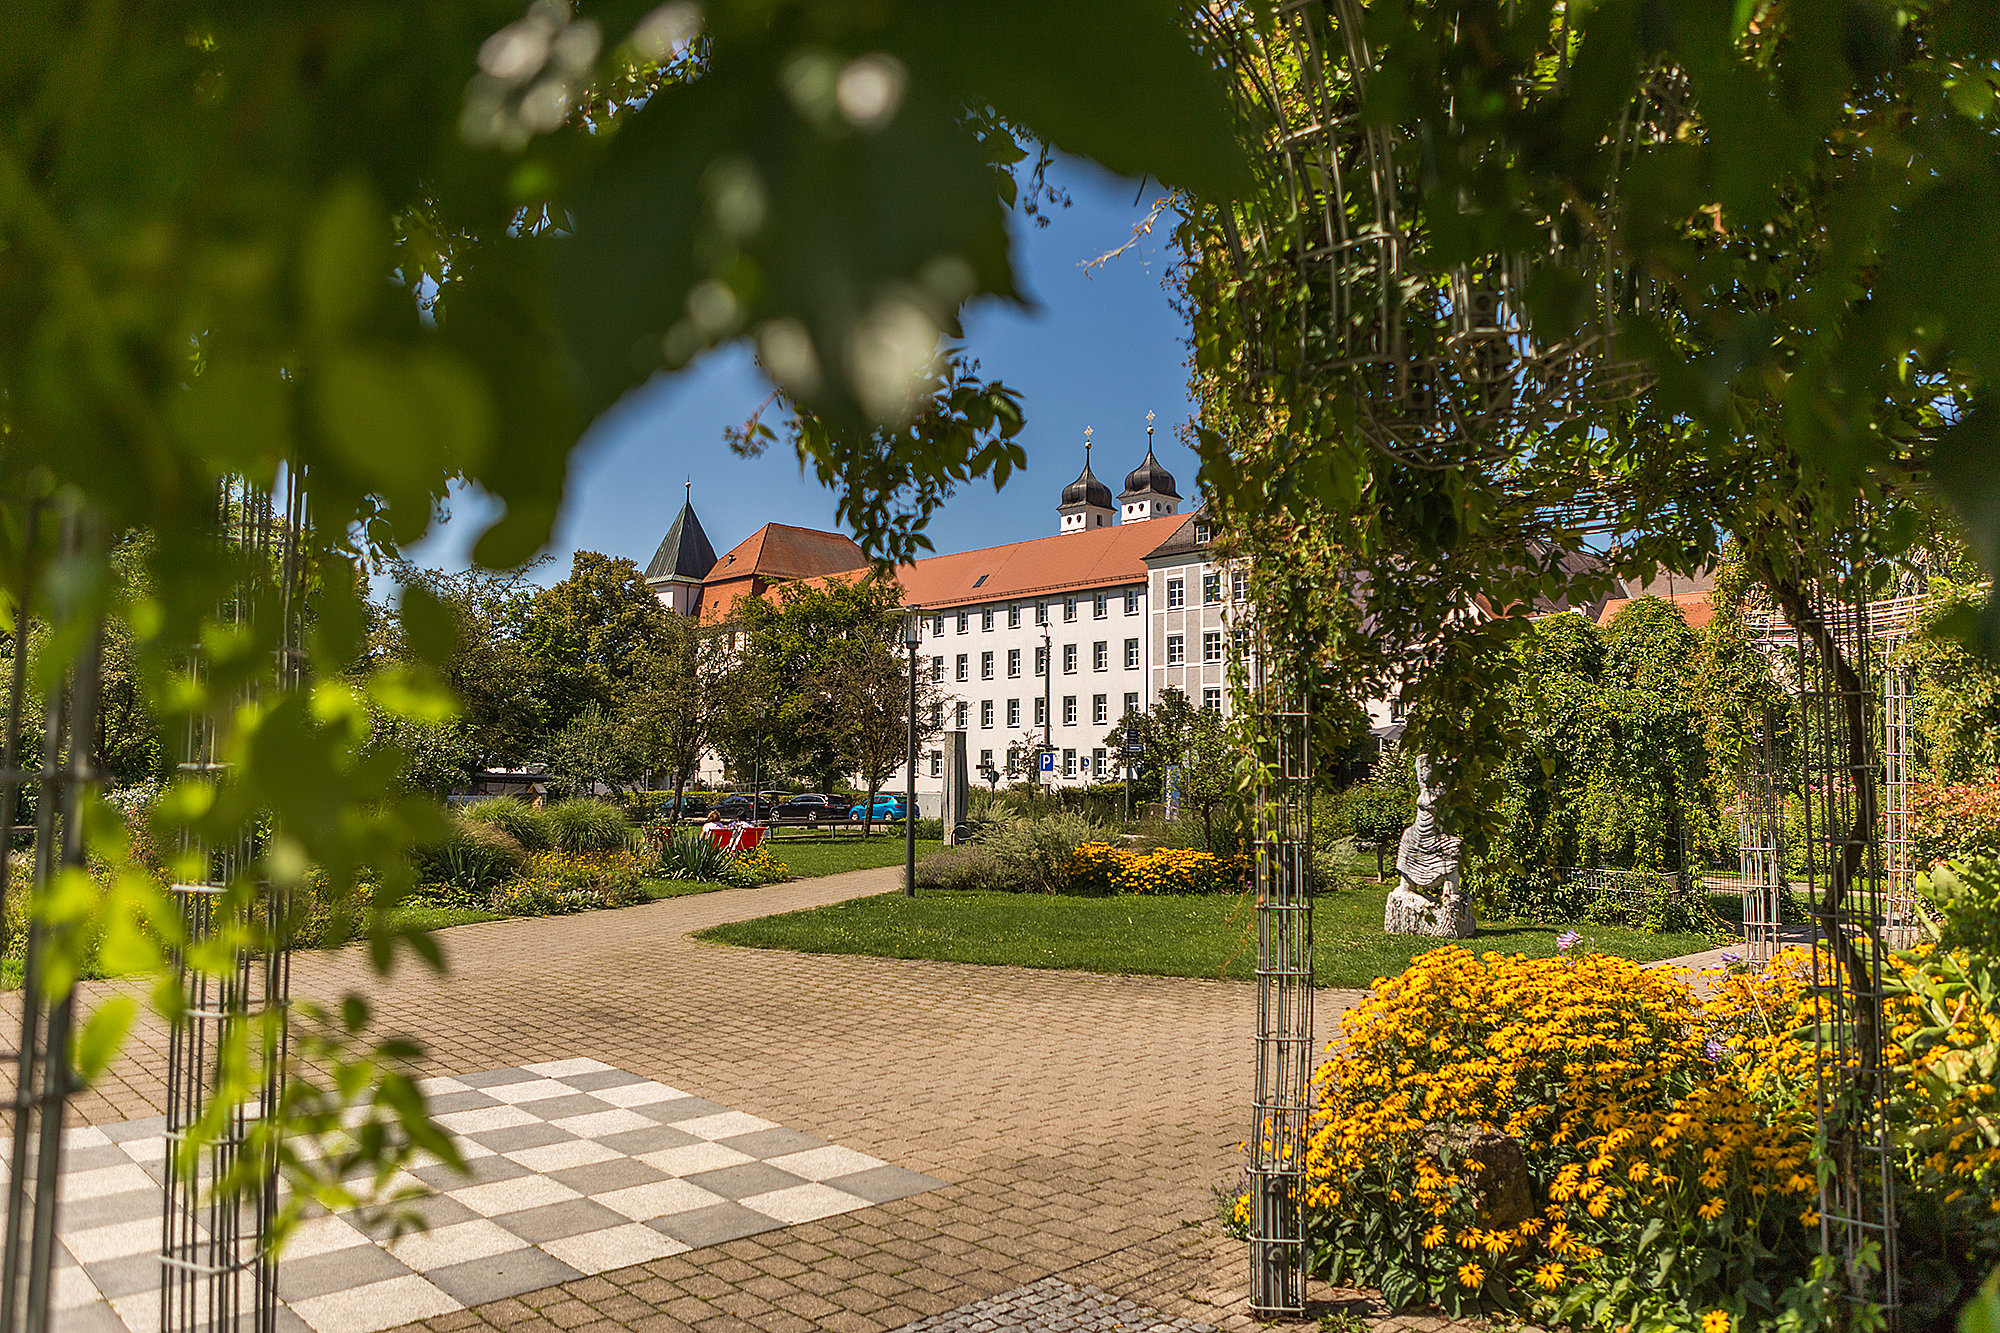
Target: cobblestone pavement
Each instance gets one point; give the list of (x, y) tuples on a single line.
[(1052, 1306), (1082, 1124)]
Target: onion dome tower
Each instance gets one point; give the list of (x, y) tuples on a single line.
[(1086, 502), (1149, 488)]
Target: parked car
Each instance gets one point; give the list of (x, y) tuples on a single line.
[(812, 806), (886, 807), (691, 807), (744, 806)]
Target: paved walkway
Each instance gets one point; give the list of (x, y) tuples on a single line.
[(1082, 1124)]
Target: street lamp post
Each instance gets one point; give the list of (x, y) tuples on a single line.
[(913, 624)]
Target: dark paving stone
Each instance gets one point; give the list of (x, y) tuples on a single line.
[(637, 1142), (502, 1275), (773, 1142), (558, 1108), (740, 1182), (336, 1270), (483, 1170), (884, 1183), (515, 1137), (94, 1159), (445, 1103), (123, 1277), (126, 1131), (603, 1078), (433, 1211), (603, 1177), (571, 1217), (681, 1108), (713, 1225), (107, 1209), (494, 1078)]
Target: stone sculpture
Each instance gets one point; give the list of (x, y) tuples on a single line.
[(1427, 860)]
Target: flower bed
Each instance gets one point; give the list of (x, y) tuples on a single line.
[(1097, 867)]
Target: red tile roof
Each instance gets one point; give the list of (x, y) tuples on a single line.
[(781, 551), (1068, 562), (1696, 608)]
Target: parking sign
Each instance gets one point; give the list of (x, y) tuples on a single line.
[(1048, 761)]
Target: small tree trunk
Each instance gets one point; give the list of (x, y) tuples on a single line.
[(1381, 870)]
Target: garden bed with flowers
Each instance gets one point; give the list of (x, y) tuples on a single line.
[(1585, 1141)]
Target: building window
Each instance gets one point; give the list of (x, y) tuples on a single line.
[(937, 626), (1211, 699), (1239, 586), (1100, 708), (1041, 712), (985, 712), (937, 668), (1100, 656), (1131, 704), (964, 621), (1211, 646), (1069, 659), (986, 666), (937, 763), (1101, 608), (1176, 593), (964, 667), (1013, 662), (1211, 589), (937, 717), (1131, 654), (1203, 533), (1131, 601), (1042, 660), (1069, 710), (963, 711), (1041, 613), (1013, 712), (1013, 617), (1098, 763), (1069, 763), (1240, 638), (1069, 609), (1397, 710), (1176, 650)]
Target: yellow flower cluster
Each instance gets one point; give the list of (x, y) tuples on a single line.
[(1098, 867), (1633, 1101), (758, 866)]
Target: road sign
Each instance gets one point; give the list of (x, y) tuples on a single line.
[(1135, 747), (1048, 761), (1083, 763)]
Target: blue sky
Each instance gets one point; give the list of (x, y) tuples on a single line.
[(1099, 350)]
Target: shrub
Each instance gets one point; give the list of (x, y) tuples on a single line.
[(583, 824), (686, 854), (756, 866), (1955, 822), (558, 882), (1035, 853), (1651, 1146), (524, 823), (964, 868), (471, 857), (1096, 868)]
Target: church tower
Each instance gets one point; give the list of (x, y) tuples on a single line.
[(1149, 491), (682, 562), (1086, 502)]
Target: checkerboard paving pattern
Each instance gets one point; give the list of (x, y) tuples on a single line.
[(576, 1168)]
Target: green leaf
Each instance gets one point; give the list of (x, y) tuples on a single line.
[(102, 1035), (345, 271)]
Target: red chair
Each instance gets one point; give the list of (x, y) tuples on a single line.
[(737, 839)]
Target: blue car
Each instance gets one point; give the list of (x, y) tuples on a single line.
[(885, 808)]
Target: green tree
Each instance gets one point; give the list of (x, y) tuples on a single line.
[(673, 704), (595, 750), (1379, 809), (587, 636)]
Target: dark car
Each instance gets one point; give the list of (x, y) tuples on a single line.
[(691, 807), (742, 806), (812, 806)]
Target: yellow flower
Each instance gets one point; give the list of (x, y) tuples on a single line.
[(1711, 1210), (1434, 1238), (1715, 1321), (1471, 1275), (1549, 1276)]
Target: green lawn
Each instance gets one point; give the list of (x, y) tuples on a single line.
[(811, 858), (1163, 936)]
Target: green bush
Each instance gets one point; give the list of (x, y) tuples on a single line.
[(969, 867), (586, 825), (524, 823), (470, 857), (686, 854), (1034, 854)]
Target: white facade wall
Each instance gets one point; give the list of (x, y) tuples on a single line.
[(1097, 644), (1198, 603)]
